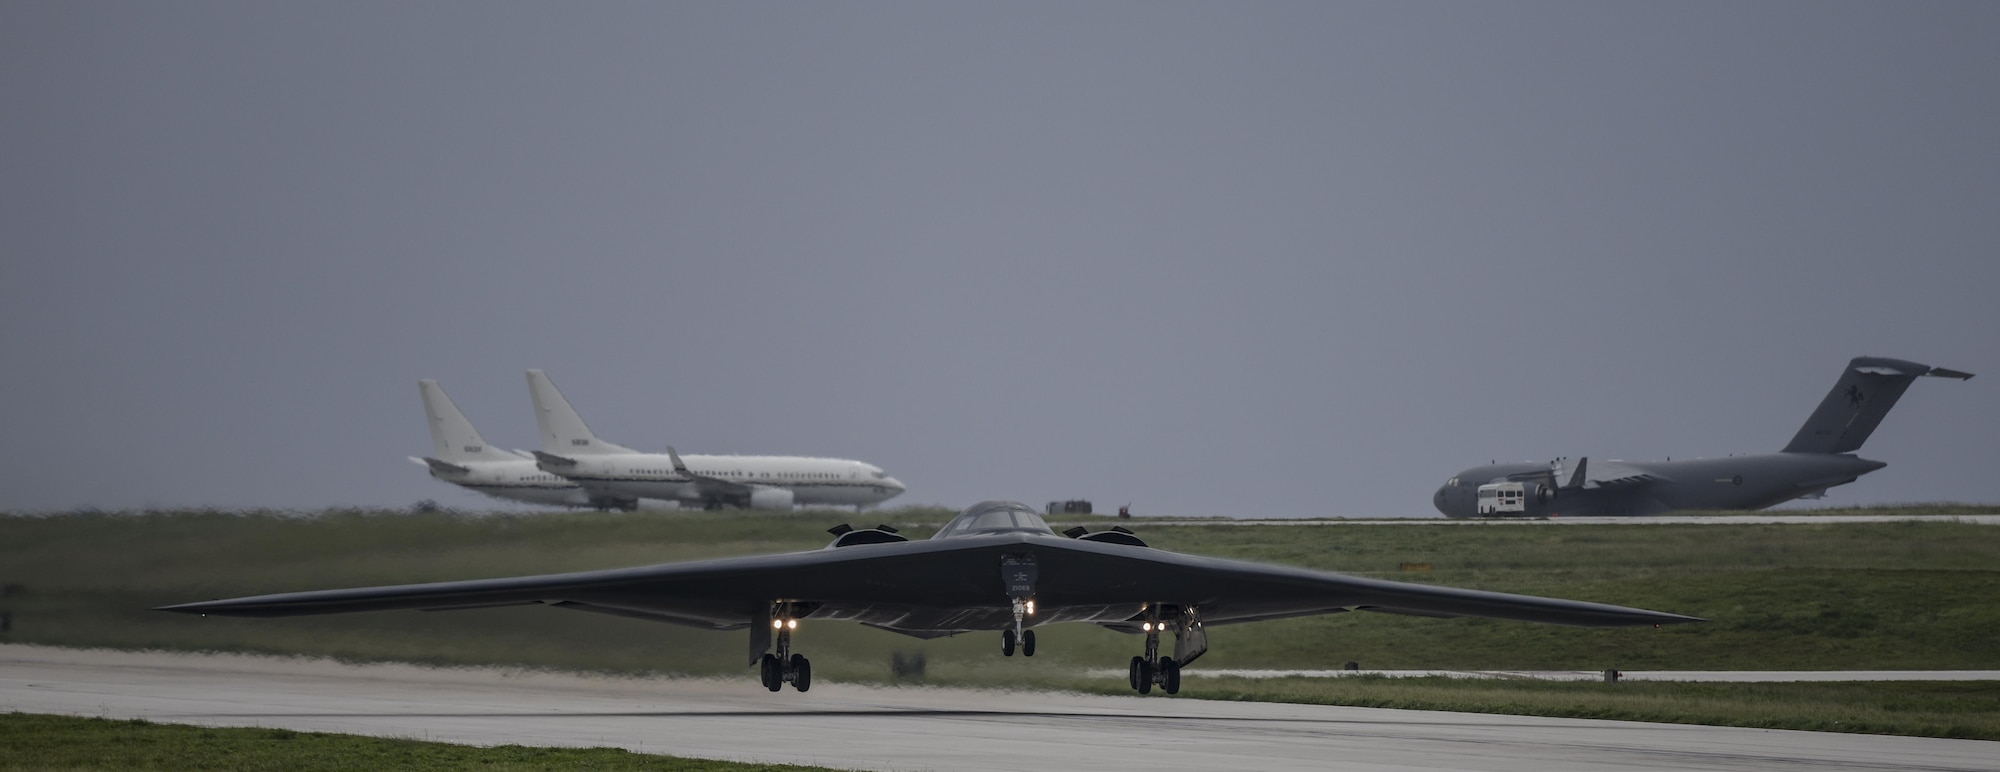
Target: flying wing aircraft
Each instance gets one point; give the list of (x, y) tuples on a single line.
[(997, 566)]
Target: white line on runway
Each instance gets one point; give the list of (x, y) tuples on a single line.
[(867, 727)]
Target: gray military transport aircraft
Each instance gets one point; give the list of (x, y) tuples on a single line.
[(997, 566), (1819, 457)]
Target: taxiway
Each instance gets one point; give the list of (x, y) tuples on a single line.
[(865, 727)]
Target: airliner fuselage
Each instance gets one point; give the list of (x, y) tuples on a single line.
[(768, 479)]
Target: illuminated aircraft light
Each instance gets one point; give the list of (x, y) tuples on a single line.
[(792, 623), (777, 624), (1031, 608)]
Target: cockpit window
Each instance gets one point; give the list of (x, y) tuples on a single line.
[(992, 517)]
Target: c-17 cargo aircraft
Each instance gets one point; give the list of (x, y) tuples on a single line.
[(572, 451), (1819, 457), (997, 566), (465, 460)]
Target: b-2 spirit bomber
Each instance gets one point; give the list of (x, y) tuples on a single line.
[(997, 567), (1819, 457)]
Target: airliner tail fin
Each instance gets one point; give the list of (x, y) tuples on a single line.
[(563, 431), (453, 435)]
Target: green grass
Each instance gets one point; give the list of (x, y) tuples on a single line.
[(37, 742), (1818, 596)]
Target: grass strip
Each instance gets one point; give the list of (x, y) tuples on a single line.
[(1819, 596), (41, 742)]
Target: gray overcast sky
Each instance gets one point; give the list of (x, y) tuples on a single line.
[(1244, 259)]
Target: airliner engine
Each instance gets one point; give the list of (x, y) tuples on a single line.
[(770, 498)]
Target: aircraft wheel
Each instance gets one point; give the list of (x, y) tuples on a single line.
[(774, 677), (1145, 677), (802, 672), (1133, 673), (1170, 675), (1027, 643), (1006, 643)]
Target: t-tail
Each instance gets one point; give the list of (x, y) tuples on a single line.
[(457, 442), (563, 431), (1863, 395)]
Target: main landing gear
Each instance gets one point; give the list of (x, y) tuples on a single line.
[(1151, 669), (785, 667)]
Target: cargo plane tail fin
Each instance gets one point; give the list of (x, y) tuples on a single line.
[(1859, 400)]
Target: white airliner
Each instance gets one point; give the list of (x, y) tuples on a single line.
[(570, 450), (465, 460)]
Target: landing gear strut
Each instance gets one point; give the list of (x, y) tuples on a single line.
[(1026, 638), (1017, 573), (1151, 669), (784, 667)]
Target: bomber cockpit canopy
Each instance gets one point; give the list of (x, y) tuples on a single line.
[(988, 517)]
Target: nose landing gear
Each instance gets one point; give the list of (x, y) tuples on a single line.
[(1017, 574), (1026, 638)]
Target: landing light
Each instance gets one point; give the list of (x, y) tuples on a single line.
[(1031, 608), (1148, 627), (777, 624), (792, 623)]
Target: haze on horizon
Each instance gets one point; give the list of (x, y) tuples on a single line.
[(1251, 259)]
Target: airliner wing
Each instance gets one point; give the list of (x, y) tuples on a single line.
[(710, 487)]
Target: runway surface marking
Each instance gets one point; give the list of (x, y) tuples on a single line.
[(868, 727)]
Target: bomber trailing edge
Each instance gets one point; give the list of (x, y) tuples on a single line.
[(996, 567)]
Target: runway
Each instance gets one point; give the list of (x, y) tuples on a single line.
[(1765, 518), (867, 727), (1703, 676)]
